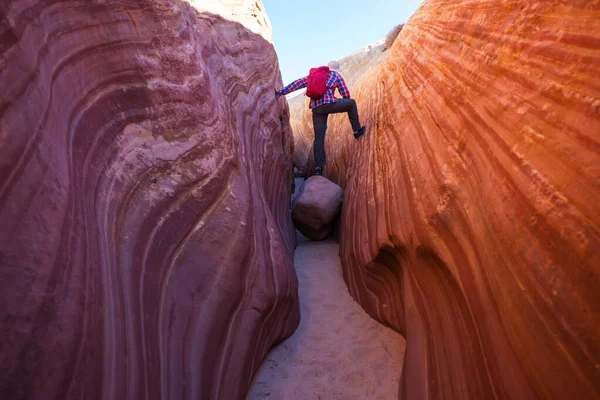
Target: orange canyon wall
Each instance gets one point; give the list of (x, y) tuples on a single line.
[(471, 222)]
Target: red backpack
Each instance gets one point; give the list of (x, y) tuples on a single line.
[(317, 82)]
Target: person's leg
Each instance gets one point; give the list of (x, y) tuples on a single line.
[(344, 105), (353, 114), (320, 126)]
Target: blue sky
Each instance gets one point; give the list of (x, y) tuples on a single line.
[(310, 33)]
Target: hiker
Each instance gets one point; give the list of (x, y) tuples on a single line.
[(320, 86)]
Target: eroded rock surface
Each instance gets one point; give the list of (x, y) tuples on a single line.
[(473, 227), (145, 250), (315, 207), (250, 13)]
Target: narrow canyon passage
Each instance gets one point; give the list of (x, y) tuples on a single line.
[(338, 351)]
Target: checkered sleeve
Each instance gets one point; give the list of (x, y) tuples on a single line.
[(341, 85), (297, 84)]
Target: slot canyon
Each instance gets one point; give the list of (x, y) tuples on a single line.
[(147, 248)]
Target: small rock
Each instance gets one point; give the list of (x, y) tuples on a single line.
[(315, 207)]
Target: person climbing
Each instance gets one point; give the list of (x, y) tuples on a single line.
[(320, 86)]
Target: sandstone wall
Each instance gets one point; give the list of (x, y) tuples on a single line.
[(145, 232), (471, 222)]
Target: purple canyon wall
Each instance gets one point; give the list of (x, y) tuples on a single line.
[(471, 222), (146, 239)]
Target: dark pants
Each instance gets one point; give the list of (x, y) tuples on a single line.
[(320, 115)]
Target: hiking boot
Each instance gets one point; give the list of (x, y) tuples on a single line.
[(317, 171), (361, 131)]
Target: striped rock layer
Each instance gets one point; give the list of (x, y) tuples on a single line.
[(146, 238), (471, 222)]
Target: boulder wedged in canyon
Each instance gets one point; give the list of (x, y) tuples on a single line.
[(315, 207), (145, 250), (473, 225)]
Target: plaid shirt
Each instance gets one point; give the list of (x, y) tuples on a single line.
[(335, 81)]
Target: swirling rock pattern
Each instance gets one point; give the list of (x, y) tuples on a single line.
[(249, 13), (471, 222), (146, 238)]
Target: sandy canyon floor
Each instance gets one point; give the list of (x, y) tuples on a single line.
[(338, 351)]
